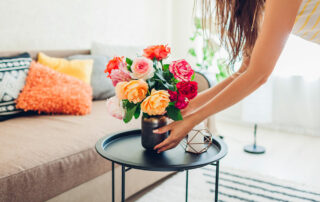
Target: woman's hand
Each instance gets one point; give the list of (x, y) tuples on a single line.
[(178, 130)]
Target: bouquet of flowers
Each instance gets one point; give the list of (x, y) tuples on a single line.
[(148, 84)]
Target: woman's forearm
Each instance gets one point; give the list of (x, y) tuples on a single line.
[(208, 94)]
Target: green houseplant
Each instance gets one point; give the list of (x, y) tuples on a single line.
[(206, 53)]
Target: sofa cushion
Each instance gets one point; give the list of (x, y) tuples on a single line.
[(49, 91), (101, 86), (43, 156), (80, 69), (13, 72)]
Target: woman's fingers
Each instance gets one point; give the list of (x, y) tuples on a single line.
[(167, 147), (163, 143), (168, 143), (163, 129)]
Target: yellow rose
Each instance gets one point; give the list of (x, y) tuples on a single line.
[(135, 91), (156, 103)]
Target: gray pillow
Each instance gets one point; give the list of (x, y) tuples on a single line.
[(102, 86)]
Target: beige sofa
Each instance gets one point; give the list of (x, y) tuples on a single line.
[(53, 157)]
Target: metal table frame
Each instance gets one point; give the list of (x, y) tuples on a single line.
[(125, 169)]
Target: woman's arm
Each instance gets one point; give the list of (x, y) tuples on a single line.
[(278, 21), (205, 96)]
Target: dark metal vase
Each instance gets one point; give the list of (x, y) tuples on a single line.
[(149, 139)]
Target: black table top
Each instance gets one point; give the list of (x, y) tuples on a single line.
[(125, 149)]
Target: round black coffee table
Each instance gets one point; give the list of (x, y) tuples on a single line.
[(126, 150)]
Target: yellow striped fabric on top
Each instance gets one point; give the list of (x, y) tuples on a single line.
[(307, 24)]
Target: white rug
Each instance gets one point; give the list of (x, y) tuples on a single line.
[(234, 185)]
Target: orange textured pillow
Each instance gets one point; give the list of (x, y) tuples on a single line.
[(49, 91)]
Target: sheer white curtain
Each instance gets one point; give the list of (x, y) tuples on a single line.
[(295, 92)]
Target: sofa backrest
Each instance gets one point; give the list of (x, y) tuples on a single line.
[(52, 53)]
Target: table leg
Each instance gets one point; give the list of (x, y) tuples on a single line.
[(216, 192), (187, 184), (112, 181), (123, 183)]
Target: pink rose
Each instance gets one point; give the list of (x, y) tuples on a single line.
[(142, 68), (181, 103), (114, 108), (181, 70), (119, 75)]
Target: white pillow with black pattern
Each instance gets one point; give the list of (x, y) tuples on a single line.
[(13, 73)]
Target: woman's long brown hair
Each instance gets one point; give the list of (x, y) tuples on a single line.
[(237, 22)]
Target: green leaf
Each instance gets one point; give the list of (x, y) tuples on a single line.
[(151, 83), (145, 115), (168, 76), (166, 67), (174, 113), (161, 85), (155, 63), (176, 81), (193, 38), (159, 75), (192, 77), (137, 112), (198, 23), (129, 68), (130, 109), (192, 52), (129, 61), (129, 114)]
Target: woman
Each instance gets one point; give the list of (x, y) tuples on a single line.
[(259, 29)]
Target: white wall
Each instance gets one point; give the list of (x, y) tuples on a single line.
[(74, 24), (182, 28)]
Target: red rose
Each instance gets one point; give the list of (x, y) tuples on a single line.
[(188, 89), (181, 103), (159, 52), (173, 95), (114, 64)]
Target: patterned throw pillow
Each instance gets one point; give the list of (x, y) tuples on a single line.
[(13, 72), (52, 92)]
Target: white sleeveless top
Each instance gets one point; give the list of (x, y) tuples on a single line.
[(307, 24)]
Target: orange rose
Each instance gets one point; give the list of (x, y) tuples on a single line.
[(135, 91), (156, 103), (120, 87), (114, 63), (159, 52)]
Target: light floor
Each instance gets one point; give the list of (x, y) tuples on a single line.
[(290, 157)]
